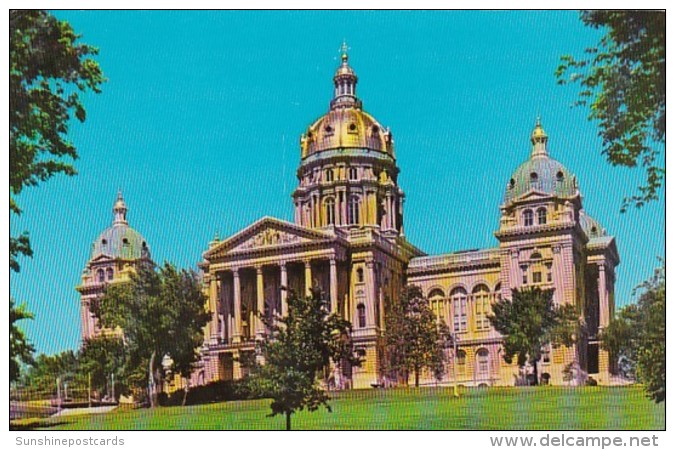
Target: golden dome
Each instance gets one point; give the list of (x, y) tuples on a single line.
[(347, 128), (346, 125)]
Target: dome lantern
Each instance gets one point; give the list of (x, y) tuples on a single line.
[(345, 79), (539, 139), (120, 210)]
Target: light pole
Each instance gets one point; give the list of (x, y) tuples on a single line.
[(455, 392)]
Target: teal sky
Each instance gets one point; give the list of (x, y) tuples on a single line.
[(199, 124)]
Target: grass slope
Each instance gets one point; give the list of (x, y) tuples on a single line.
[(542, 408)]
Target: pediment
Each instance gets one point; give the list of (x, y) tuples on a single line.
[(267, 233), (533, 194), (99, 258)]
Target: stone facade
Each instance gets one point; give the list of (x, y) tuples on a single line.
[(348, 239)]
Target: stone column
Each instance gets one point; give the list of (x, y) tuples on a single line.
[(333, 286), (308, 276), (394, 225), (213, 309), (343, 208), (284, 290), (603, 355), (236, 336), (260, 298), (602, 296), (390, 213), (370, 293)]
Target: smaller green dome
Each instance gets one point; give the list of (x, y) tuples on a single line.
[(120, 240), (541, 173), (591, 227)]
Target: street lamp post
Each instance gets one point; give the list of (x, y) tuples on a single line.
[(455, 392)]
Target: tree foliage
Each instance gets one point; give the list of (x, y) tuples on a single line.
[(48, 369), (414, 339), (48, 71), (20, 350), (302, 344), (638, 334), (103, 361), (160, 313), (623, 80), (529, 320)]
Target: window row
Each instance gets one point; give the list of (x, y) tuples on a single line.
[(101, 275), (329, 175), (528, 217), (353, 210), (457, 307)]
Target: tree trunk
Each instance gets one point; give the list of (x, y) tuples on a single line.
[(288, 421), (185, 391), (151, 381), (417, 377), (535, 373)]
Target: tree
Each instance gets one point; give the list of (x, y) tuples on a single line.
[(638, 334), (529, 321), (20, 350), (48, 71), (302, 344), (102, 361), (47, 370), (160, 313), (413, 339), (624, 79)]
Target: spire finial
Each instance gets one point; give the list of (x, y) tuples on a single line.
[(539, 139), (344, 50)]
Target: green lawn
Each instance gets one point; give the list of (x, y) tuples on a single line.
[(542, 408)]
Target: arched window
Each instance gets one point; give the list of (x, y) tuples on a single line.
[(541, 216), (483, 361), (109, 273), (458, 299), (460, 360), (481, 296), (330, 211), (353, 210), (353, 174), (100, 275), (528, 218), (359, 275), (498, 292), (436, 298), (329, 175), (361, 315)]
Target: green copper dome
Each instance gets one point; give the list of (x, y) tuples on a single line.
[(591, 227), (120, 240), (541, 173)]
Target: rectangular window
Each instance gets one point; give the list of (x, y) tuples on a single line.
[(536, 277), (549, 276), (524, 277), (546, 354), (460, 314)]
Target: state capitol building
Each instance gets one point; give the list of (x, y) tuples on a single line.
[(347, 238)]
